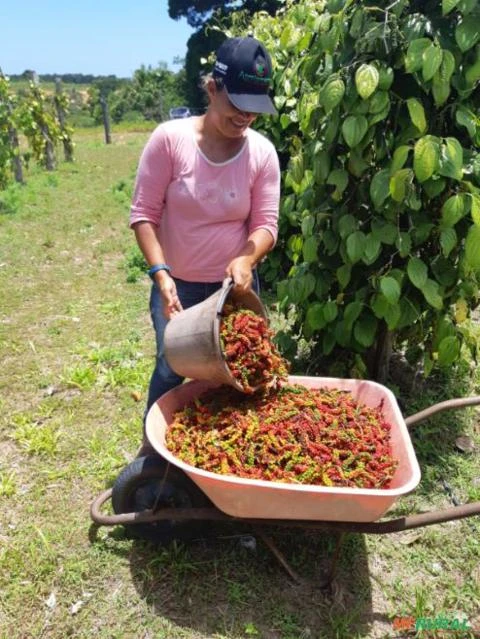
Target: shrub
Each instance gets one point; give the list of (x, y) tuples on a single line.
[(380, 214)]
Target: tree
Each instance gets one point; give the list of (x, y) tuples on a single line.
[(199, 12), (379, 244), (212, 19)]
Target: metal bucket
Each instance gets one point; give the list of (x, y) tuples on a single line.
[(192, 338)]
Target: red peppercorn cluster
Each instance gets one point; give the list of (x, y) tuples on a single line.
[(251, 356), (288, 434)]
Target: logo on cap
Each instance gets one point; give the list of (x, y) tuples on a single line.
[(260, 69)]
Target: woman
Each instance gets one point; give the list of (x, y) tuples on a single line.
[(207, 194)]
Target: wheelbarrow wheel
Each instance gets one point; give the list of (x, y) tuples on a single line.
[(151, 482)]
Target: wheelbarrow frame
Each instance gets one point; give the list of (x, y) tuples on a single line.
[(380, 527)]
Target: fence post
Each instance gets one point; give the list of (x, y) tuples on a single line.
[(106, 120)]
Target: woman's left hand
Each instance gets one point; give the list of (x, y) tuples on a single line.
[(240, 270)]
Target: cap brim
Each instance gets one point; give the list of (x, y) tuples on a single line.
[(252, 102)]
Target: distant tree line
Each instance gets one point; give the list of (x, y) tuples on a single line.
[(67, 78)]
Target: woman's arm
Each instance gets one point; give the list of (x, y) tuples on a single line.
[(240, 268), (147, 240)]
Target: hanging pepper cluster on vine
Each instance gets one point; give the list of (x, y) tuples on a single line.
[(250, 353), (289, 434)]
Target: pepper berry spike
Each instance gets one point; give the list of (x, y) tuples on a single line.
[(288, 434), (250, 353)]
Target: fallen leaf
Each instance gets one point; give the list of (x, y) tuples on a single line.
[(136, 395)]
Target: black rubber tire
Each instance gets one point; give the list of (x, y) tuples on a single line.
[(148, 480)]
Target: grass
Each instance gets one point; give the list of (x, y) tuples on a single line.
[(76, 348)]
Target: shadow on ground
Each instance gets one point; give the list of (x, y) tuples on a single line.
[(230, 583)]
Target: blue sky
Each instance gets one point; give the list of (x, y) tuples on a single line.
[(92, 36)]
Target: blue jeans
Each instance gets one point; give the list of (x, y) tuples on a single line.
[(163, 377)]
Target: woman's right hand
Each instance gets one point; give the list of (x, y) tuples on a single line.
[(168, 291)]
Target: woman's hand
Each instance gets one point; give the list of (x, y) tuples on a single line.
[(240, 270), (168, 291)]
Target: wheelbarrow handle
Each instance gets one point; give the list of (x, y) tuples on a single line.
[(449, 404)]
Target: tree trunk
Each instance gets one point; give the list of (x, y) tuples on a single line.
[(106, 120)]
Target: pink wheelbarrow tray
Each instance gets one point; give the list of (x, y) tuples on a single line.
[(170, 493)]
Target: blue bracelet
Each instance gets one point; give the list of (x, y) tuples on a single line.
[(157, 267)]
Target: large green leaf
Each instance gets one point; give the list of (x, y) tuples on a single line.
[(347, 224), (448, 240), (321, 166), (417, 272), (384, 231), (379, 305), (366, 80), (448, 5), (475, 208), (399, 183), (400, 156), (296, 168), (467, 118), (330, 311), (344, 273), (310, 249), (365, 330), (467, 33), (332, 93), (339, 179), (453, 210), (371, 250), (414, 57), (434, 186), (472, 248), (390, 289), (448, 351), (379, 102), (351, 312), (451, 159), (432, 59), (380, 188), (404, 244), (314, 317), (393, 316), (417, 114), (356, 246), (425, 157), (431, 292), (353, 129)]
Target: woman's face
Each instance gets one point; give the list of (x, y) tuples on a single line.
[(230, 121)]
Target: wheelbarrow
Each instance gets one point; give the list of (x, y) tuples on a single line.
[(160, 497)]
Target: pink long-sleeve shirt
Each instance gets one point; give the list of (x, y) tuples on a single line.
[(204, 211)]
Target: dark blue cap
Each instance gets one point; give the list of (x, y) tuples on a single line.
[(246, 69)]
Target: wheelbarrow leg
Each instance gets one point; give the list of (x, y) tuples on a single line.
[(326, 579), (268, 541), (330, 573)]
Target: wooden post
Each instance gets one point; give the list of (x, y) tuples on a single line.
[(67, 142), (16, 160), (106, 120)]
